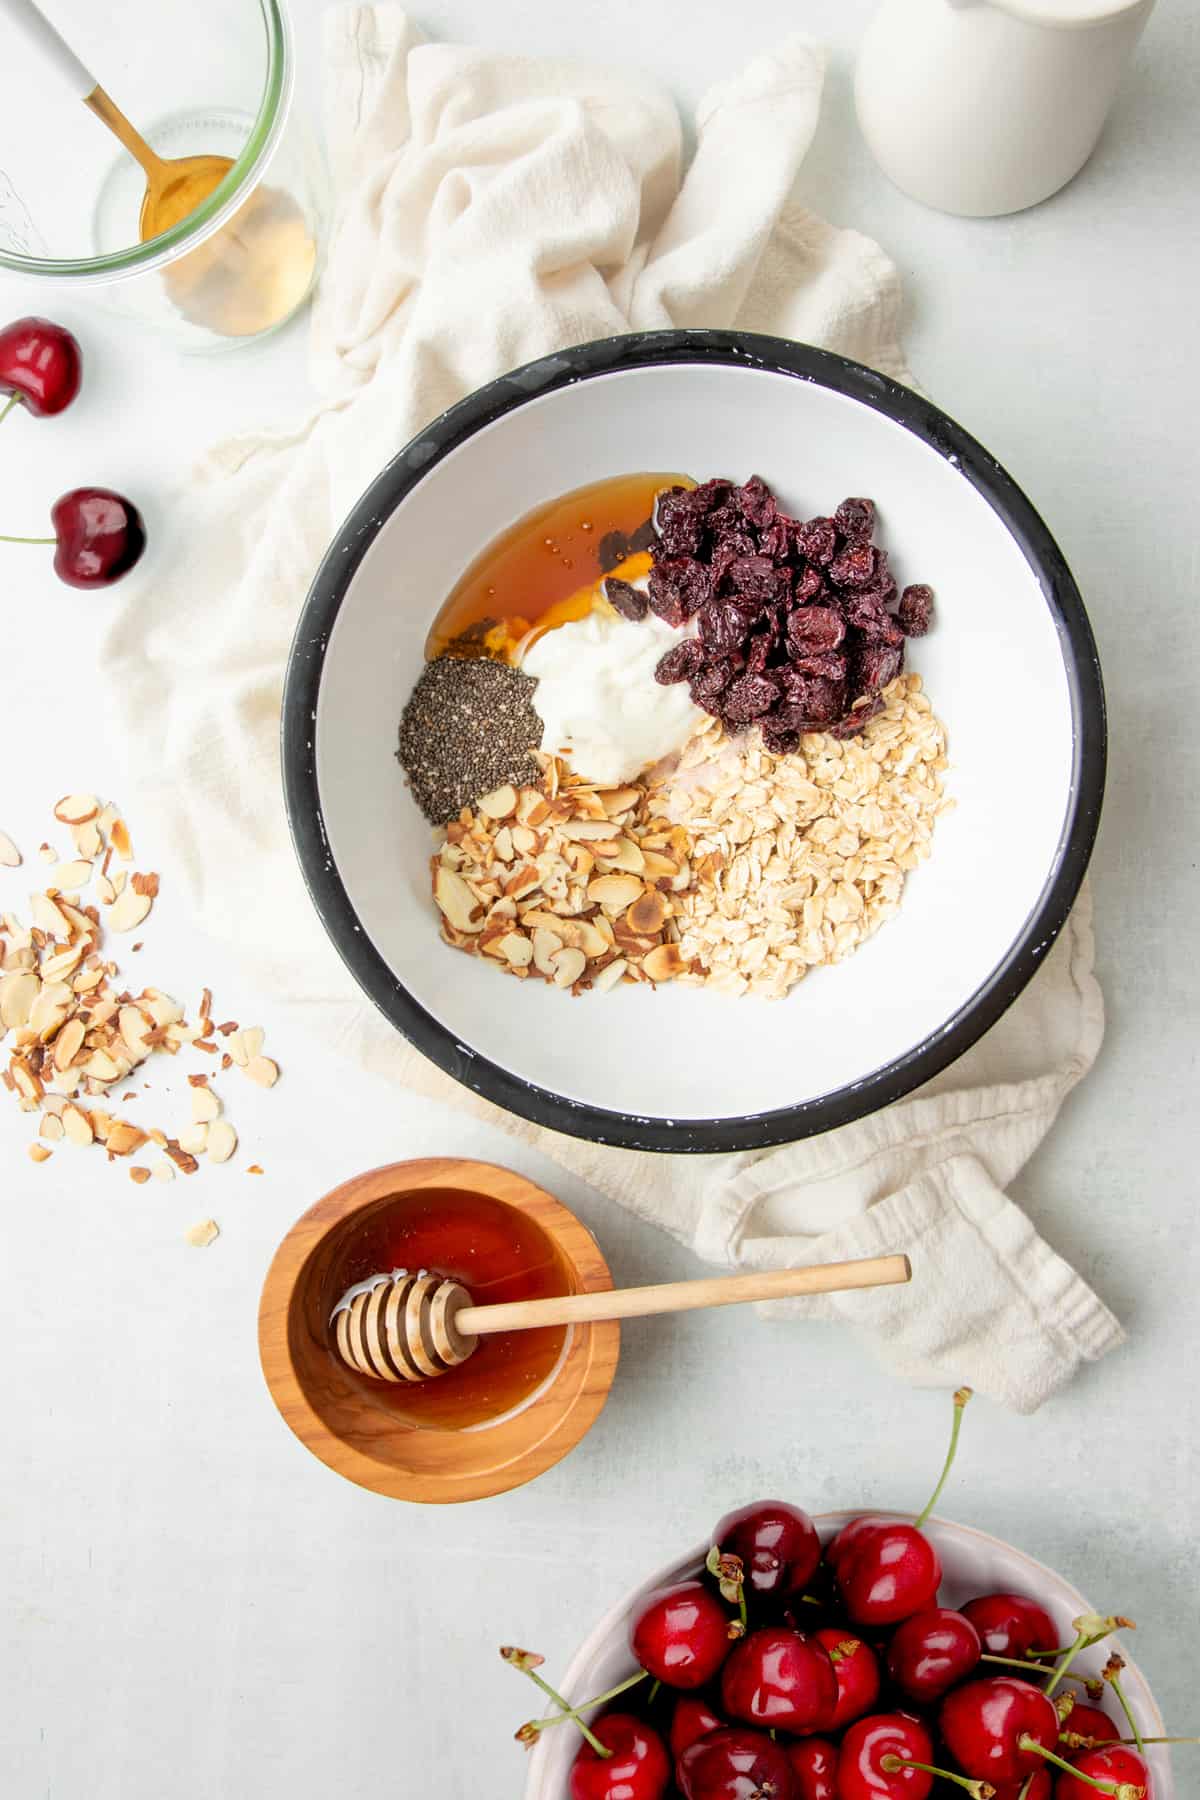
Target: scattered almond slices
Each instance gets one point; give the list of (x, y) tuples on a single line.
[(564, 883), (202, 1235), (76, 1033), (10, 856)]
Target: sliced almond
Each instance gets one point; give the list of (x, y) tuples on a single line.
[(128, 910), (27, 1083), (546, 946), (626, 856), (50, 1009), (119, 833), (71, 876), (162, 1009), (222, 1141), (62, 963), (516, 949), (524, 840), (657, 866), (614, 892), (104, 890), (590, 939), (457, 901), (77, 1124), (123, 1139), (139, 1174), (609, 975), (101, 1067), (664, 962), (205, 1107), (87, 840), (202, 1235), (76, 809), (163, 1170), (134, 1029), (237, 1049), (67, 1043), (18, 992), (569, 965), (10, 856), (263, 1071), (51, 1128), (194, 1139), (618, 800), (253, 1037), (39, 1153), (587, 831), (48, 918), (501, 803), (649, 913)]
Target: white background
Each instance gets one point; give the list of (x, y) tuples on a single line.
[(195, 1608)]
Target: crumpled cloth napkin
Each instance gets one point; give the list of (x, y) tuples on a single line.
[(494, 209)]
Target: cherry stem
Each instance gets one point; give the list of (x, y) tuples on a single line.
[(1123, 1703), (1025, 1787), (960, 1401), (562, 1706), (24, 540), (979, 1790), (572, 1712), (1065, 1660), (1121, 1789), (12, 401), (1014, 1662)]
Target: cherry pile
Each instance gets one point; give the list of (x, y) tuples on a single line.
[(98, 534), (788, 1670), (800, 624)]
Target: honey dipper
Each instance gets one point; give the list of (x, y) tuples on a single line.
[(404, 1327)]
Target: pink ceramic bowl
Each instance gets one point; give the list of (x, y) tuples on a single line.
[(973, 1563)]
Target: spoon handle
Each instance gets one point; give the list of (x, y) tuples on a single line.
[(683, 1296), (46, 42)]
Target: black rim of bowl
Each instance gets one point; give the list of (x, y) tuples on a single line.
[(746, 1131)]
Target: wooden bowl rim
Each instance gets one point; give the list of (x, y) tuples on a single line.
[(592, 1349)]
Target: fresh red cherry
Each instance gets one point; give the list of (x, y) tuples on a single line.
[(932, 1652), (985, 1724), (681, 1635), (735, 1765), (779, 1677), (100, 536), (861, 1775), (856, 1669), (638, 1769), (888, 1573), (1089, 1722), (691, 1720), (1117, 1764), (887, 1569), (40, 365), (814, 1767), (777, 1544), (1011, 1624)]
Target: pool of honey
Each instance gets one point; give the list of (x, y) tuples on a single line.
[(550, 560), (497, 1254)]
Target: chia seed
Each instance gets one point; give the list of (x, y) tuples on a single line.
[(469, 727)]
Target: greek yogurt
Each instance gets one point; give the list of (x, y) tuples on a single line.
[(598, 700)]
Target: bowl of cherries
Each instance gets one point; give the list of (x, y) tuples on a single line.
[(849, 1656)]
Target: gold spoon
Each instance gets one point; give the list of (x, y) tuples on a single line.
[(175, 186), (403, 1327)]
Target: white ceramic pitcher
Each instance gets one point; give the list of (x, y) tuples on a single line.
[(987, 106)]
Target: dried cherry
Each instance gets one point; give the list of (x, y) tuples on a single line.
[(625, 599), (915, 611)]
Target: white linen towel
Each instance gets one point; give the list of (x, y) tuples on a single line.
[(494, 209)]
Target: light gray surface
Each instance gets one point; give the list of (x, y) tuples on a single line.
[(195, 1607)]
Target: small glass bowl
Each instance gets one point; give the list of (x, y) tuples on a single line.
[(219, 83)]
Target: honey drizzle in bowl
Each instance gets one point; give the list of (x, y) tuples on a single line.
[(549, 560), (498, 1254)]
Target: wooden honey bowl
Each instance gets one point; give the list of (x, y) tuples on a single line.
[(504, 1417)]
